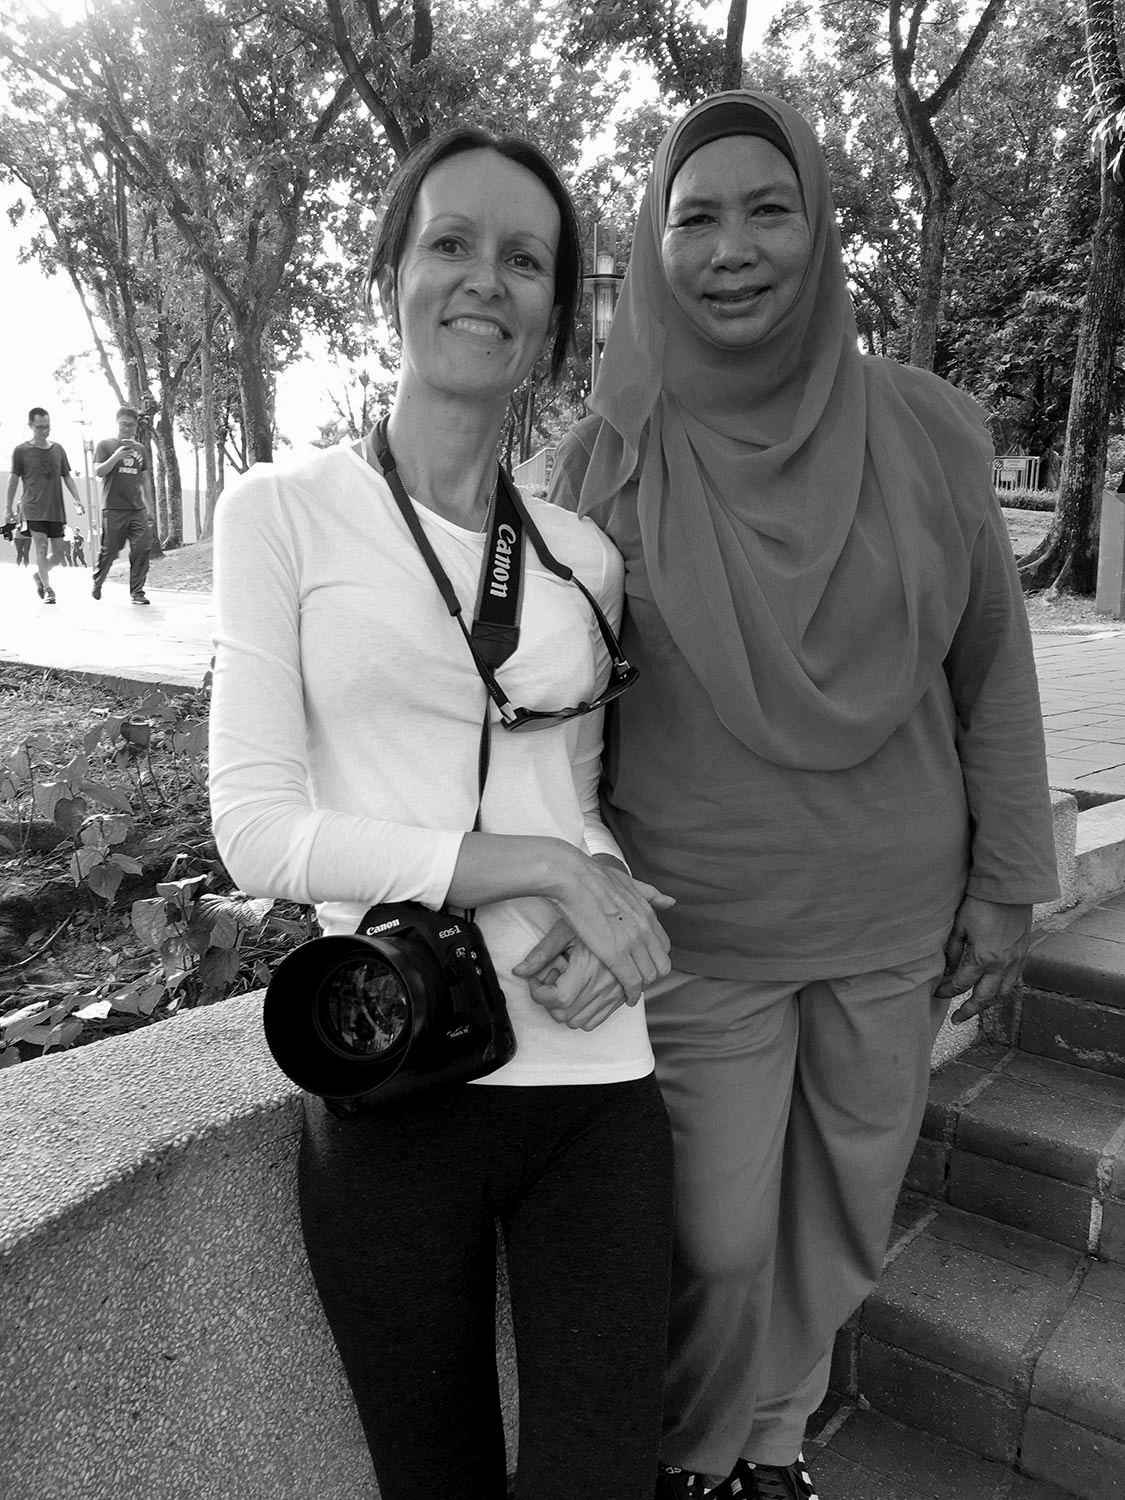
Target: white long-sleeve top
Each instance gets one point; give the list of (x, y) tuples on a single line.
[(346, 717)]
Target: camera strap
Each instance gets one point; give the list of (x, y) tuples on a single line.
[(495, 630)]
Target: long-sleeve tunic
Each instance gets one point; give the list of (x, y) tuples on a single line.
[(780, 873)]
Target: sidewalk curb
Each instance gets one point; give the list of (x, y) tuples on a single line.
[(124, 687)]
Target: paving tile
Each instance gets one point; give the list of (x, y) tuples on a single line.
[(963, 1310), (1108, 923), (1112, 779), (842, 1480), (1073, 1031), (928, 1169), (949, 1087), (1085, 751), (1022, 1487), (1106, 1282), (1062, 1078), (948, 1404), (1111, 1243), (1030, 1125), (1081, 1373), (1015, 1247), (1073, 964), (1041, 1205), (910, 1209), (922, 1464), (1090, 1464)]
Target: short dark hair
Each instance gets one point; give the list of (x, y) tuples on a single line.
[(129, 411), (37, 411), (402, 194)]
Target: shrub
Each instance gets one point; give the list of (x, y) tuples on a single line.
[(1028, 499)]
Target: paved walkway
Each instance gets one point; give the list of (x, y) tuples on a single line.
[(1082, 687), (1081, 677), (170, 641)]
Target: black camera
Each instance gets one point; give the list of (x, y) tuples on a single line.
[(410, 1002)]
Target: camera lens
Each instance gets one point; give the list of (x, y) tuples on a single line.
[(363, 1008)]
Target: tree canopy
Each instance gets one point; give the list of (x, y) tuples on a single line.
[(206, 172)]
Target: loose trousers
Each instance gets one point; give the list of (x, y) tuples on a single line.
[(794, 1109), (119, 527), (399, 1214)]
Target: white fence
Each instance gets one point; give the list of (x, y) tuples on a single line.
[(534, 472), (1015, 471)]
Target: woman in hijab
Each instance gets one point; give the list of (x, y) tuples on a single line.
[(833, 760)]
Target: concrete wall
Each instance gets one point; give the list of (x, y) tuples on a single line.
[(160, 1338)]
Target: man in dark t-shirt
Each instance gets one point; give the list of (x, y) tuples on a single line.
[(43, 468), (119, 463)]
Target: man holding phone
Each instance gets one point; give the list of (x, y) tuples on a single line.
[(119, 463)]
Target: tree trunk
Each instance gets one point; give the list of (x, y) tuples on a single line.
[(256, 424), (195, 499), (1067, 558), (207, 415), (527, 427), (161, 490), (927, 157), (931, 272), (732, 50), (172, 516)]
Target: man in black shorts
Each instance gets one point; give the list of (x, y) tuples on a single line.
[(44, 469), (119, 463)]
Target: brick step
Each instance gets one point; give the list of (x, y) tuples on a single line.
[(1030, 1142), (1085, 959), (1071, 1029), (999, 1341), (862, 1455)]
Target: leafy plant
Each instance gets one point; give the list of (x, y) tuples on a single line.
[(87, 813), (97, 861)]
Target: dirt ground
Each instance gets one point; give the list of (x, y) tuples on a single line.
[(186, 569)]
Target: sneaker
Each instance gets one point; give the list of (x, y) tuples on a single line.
[(140, 599), (39, 589), (682, 1484), (50, 596), (96, 590), (771, 1481)]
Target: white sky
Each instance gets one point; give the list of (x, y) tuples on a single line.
[(42, 322)]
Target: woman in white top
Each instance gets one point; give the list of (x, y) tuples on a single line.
[(345, 729)]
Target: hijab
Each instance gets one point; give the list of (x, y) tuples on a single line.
[(806, 512)]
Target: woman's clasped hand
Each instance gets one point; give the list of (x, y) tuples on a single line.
[(611, 947)]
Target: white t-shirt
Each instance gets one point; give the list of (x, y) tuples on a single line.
[(346, 718)]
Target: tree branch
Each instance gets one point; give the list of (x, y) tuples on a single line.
[(945, 90), (396, 136)]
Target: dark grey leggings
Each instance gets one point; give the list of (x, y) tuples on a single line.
[(400, 1212)]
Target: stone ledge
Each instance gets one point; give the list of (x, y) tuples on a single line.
[(159, 1332)]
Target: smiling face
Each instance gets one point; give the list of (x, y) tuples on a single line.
[(736, 240), (473, 294)]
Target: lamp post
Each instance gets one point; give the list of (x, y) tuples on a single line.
[(605, 284), (92, 511)]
